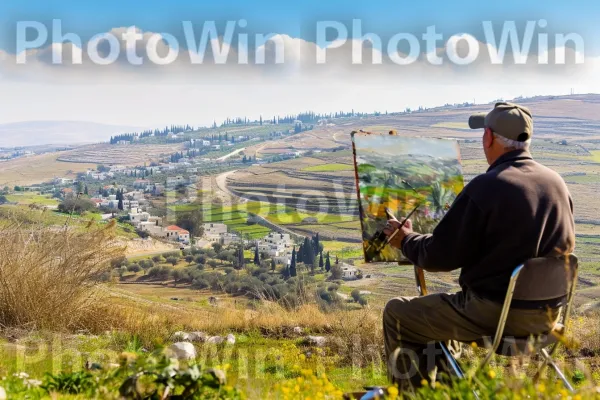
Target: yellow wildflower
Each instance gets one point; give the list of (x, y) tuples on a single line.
[(541, 388)]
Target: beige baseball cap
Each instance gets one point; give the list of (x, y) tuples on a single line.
[(509, 120)]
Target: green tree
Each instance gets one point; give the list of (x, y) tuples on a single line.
[(316, 244), (191, 221), (300, 253), (273, 265), (86, 191), (256, 255), (173, 260), (321, 263), (120, 205), (293, 271), (76, 205), (327, 263), (309, 256), (336, 271)]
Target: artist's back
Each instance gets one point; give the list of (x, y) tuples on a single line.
[(518, 210)]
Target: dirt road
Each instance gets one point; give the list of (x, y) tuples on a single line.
[(233, 153)]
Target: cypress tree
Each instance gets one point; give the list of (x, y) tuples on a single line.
[(293, 263), (310, 256), (321, 264), (256, 257), (327, 263), (316, 243), (300, 254), (305, 249)]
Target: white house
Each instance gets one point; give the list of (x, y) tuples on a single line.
[(278, 246), (213, 232), (175, 180), (349, 272), (177, 234), (136, 217)]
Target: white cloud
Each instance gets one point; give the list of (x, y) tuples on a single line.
[(149, 95)]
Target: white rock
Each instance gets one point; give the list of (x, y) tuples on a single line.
[(183, 336), (364, 292), (182, 351), (215, 340), (318, 341), (197, 337), (230, 339), (298, 330), (2, 393)]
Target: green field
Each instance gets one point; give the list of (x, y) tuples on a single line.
[(27, 198), (329, 168), (292, 216), (590, 178)]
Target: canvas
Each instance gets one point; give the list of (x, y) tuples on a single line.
[(407, 176)]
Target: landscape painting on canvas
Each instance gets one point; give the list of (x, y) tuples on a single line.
[(404, 175)]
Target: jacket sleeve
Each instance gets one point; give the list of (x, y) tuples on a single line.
[(454, 243)]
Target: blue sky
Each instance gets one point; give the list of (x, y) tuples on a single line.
[(298, 19)]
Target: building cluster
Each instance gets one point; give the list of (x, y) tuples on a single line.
[(278, 246), (217, 233)]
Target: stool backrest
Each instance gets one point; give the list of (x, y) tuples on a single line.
[(546, 278)]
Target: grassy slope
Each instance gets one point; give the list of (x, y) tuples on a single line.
[(37, 169)]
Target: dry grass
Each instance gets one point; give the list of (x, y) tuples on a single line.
[(156, 322), (29, 170), (48, 275)]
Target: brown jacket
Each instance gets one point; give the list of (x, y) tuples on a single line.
[(517, 210)]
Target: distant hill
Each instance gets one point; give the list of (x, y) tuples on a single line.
[(31, 133)]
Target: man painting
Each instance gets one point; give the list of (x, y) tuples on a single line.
[(516, 211)]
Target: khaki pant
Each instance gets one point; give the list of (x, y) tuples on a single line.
[(415, 324)]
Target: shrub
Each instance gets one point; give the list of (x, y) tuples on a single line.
[(189, 259), (160, 272), (171, 254), (134, 268), (77, 206), (146, 264), (52, 269), (355, 294), (362, 300), (200, 259), (172, 260), (118, 262), (157, 259)]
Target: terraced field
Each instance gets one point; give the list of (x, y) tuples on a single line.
[(128, 155)]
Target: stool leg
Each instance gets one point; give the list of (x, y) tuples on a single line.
[(548, 359)]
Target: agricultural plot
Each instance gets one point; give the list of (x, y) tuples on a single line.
[(128, 155), (37, 169), (329, 168), (28, 198)]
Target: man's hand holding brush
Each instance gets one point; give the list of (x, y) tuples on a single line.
[(396, 231)]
